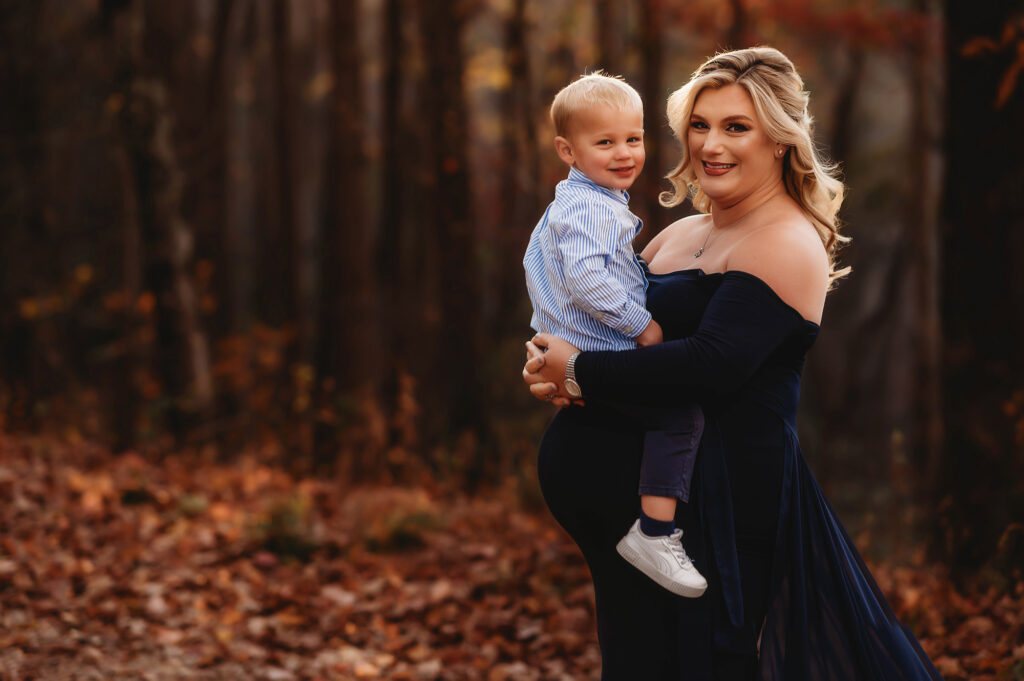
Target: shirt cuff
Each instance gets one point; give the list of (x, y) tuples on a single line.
[(631, 323)]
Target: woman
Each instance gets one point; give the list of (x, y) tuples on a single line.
[(739, 292)]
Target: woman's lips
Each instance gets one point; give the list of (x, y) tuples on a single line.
[(717, 168)]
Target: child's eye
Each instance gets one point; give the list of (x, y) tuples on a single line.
[(635, 139), (604, 143)]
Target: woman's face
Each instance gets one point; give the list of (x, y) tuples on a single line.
[(732, 155)]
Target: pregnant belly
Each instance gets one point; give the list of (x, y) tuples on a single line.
[(589, 470)]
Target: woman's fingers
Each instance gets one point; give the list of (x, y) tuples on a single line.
[(534, 359), (531, 377), (544, 391), (539, 387)]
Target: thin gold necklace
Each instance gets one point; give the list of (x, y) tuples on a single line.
[(700, 251)]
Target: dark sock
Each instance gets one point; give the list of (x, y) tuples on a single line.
[(655, 528)]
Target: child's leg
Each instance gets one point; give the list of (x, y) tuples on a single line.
[(653, 545), (658, 508), (670, 453)]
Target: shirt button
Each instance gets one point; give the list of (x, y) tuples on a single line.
[(629, 329), (600, 316)]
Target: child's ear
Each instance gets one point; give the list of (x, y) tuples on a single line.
[(564, 150)]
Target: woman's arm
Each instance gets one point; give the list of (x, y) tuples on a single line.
[(745, 321), (743, 324)]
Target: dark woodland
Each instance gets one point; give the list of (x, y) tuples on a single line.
[(263, 313)]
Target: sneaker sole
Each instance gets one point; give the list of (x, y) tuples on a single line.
[(636, 560)]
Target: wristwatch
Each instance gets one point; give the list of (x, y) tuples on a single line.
[(571, 386)]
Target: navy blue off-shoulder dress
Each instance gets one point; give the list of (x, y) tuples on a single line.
[(789, 596)]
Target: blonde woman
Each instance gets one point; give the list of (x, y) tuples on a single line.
[(739, 292)]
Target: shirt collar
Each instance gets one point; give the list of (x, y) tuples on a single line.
[(576, 175)]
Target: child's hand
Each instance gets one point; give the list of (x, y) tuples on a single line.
[(650, 336)]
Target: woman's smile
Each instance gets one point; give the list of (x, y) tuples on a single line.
[(717, 168)]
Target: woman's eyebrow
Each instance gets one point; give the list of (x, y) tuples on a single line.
[(727, 119)]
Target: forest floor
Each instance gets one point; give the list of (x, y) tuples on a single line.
[(120, 568)]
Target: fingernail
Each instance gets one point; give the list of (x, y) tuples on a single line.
[(540, 360)]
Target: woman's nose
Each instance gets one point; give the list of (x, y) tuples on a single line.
[(712, 141)]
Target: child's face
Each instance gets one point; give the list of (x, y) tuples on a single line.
[(606, 145)]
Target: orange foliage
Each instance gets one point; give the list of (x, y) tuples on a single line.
[(1012, 41), (241, 571)]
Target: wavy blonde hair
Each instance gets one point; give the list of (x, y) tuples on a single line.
[(777, 92)]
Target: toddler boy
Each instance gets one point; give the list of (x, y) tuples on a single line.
[(587, 286)]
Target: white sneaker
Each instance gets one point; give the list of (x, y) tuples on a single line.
[(664, 560)]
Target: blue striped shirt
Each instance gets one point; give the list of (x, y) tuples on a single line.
[(583, 277)]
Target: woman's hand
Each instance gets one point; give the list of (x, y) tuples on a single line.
[(544, 371)]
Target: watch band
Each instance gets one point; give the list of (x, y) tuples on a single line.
[(571, 385)]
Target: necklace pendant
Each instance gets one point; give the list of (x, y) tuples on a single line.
[(699, 252)]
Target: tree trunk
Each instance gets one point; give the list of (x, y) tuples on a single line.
[(983, 292), (517, 197), (739, 36), (125, 393), (183, 358), (846, 105), (448, 219), (608, 15), (926, 165), (394, 309), (21, 175), (646, 205), (217, 113), (348, 354), (277, 278)]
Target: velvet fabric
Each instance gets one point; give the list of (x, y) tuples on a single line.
[(789, 596)]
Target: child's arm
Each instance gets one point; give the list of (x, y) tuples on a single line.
[(652, 335)]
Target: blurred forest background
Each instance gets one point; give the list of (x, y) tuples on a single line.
[(263, 308), (293, 231)]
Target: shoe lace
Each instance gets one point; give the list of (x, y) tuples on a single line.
[(676, 547)]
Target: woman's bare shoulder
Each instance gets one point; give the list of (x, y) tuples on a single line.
[(788, 255)]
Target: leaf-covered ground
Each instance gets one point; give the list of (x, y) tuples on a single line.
[(118, 568)]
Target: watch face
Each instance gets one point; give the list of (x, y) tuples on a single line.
[(573, 388)]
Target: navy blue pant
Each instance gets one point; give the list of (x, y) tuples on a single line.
[(671, 438)]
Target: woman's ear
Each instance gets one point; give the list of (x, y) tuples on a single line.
[(564, 150)]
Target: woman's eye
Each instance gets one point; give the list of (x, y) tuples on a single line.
[(698, 125), (736, 127)]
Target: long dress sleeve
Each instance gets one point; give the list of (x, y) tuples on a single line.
[(744, 323)]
